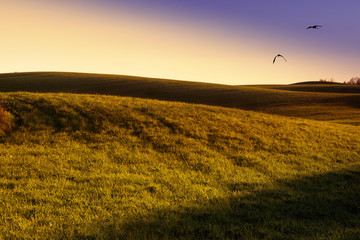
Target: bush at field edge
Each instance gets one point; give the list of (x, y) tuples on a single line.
[(7, 122)]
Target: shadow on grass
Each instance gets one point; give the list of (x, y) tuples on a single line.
[(319, 207)]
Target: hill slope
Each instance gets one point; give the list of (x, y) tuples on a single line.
[(107, 167), (313, 102)]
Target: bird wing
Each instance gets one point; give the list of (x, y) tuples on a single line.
[(283, 57), (315, 27), (274, 59)]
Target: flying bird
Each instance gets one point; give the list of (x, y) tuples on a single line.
[(279, 55), (314, 27)]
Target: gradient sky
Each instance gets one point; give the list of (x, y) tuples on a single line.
[(217, 41)]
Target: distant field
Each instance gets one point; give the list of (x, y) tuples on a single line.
[(335, 103), (319, 87), (78, 166)]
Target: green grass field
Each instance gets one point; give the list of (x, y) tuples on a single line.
[(95, 166)]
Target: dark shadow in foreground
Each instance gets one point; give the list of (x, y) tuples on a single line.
[(319, 207)]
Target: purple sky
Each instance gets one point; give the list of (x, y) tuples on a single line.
[(222, 41), (283, 18)]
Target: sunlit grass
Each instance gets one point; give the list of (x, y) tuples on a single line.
[(105, 167)]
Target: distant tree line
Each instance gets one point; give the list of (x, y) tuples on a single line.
[(327, 80), (353, 81)]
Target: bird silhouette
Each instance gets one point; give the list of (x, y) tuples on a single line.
[(279, 55), (314, 27)]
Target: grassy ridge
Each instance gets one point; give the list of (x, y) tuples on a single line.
[(289, 100), (106, 167)]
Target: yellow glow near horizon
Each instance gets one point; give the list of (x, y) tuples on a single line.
[(40, 37)]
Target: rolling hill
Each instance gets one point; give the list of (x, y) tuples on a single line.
[(88, 156), (336, 103)]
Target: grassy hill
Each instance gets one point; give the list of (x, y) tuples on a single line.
[(336, 103), (80, 166)]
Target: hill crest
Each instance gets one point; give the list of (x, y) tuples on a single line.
[(305, 101)]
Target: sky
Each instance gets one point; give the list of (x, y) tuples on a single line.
[(218, 41)]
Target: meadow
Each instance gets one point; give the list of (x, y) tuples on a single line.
[(95, 166)]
